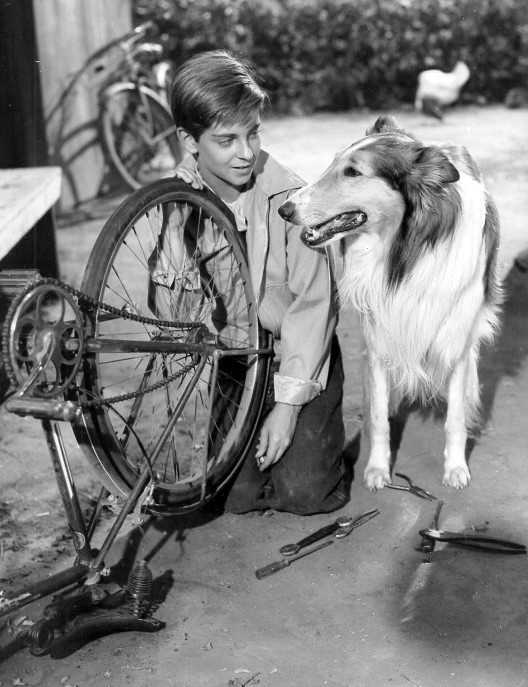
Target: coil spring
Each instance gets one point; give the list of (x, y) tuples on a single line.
[(139, 588)]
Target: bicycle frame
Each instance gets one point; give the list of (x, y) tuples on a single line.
[(89, 566), (44, 380)]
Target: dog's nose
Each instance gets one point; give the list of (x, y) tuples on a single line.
[(287, 210)]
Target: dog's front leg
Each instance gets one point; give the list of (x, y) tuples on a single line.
[(456, 471), (377, 471)]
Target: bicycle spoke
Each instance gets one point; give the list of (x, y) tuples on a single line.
[(136, 406)]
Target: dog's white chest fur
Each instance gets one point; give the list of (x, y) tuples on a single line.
[(420, 329)]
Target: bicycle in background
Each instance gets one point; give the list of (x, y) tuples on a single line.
[(138, 133), (134, 124)]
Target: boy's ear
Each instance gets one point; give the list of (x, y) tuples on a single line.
[(187, 141)]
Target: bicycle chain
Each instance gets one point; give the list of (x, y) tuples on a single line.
[(84, 301), (95, 402)]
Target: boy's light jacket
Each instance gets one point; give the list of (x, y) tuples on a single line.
[(291, 282)]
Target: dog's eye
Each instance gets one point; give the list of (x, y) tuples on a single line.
[(351, 172)]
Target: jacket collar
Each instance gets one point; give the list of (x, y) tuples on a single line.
[(269, 176), (272, 178)]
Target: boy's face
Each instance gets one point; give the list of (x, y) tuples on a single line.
[(226, 155)]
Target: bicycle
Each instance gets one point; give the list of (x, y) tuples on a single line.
[(137, 129), (134, 125), (159, 359)]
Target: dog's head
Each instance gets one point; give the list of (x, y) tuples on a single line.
[(376, 185)]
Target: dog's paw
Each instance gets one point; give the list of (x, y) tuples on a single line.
[(457, 477), (376, 478)]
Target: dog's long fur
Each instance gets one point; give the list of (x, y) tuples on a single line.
[(417, 235)]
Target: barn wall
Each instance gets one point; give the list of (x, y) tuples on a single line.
[(68, 32)]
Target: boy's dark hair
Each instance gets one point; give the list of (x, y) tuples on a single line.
[(211, 88)]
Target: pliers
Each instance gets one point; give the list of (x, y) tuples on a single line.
[(412, 488), (474, 541)]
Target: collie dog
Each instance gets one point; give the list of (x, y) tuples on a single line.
[(414, 235)]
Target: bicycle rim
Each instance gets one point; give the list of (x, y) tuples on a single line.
[(139, 135), (172, 253)]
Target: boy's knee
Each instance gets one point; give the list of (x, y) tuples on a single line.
[(308, 497)]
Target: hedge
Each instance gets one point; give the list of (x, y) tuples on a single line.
[(341, 54)]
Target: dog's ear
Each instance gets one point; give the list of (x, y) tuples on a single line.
[(431, 168), (383, 125)]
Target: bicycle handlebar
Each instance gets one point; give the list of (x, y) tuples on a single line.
[(137, 34), (127, 40)]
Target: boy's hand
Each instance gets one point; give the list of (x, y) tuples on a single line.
[(190, 177), (276, 434)]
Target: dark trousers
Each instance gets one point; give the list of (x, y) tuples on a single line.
[(310, 476)]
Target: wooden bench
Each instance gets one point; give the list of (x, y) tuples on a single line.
[(26, 194)]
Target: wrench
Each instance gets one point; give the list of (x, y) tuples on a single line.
[(293, 549), (267, 570), (356, 522)]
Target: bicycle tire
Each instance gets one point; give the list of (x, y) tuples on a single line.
[(138, 133), (173, 252)]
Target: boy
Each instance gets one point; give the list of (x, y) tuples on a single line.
[(296, 465)]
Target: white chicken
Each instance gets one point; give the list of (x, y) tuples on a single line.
[(437, 89)]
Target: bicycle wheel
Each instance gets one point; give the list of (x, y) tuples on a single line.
[(138, 133), (170, 253)]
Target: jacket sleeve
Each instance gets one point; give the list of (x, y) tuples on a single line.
[(309, 323)]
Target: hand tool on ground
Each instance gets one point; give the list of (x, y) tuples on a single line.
[(475, 541), (360, 520), (292, 549), (427, 544), (285, 562), (413, 488), (338, 527)]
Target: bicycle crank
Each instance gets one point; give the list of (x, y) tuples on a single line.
[(43, 341)]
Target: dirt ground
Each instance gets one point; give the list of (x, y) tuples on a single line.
[(368, 610)]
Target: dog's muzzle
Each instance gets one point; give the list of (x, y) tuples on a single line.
[(347, 221)]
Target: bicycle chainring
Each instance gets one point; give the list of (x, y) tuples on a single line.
[(43, 328)]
